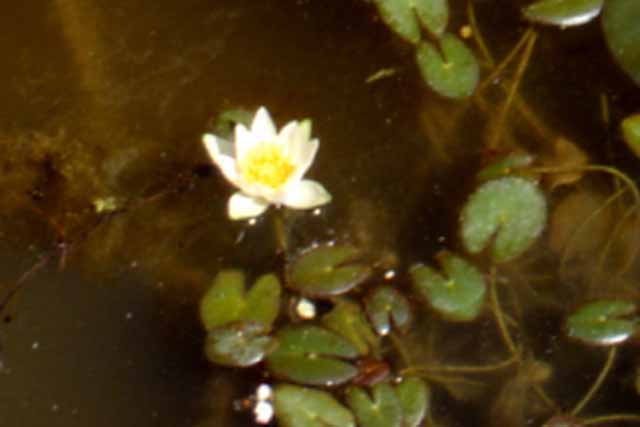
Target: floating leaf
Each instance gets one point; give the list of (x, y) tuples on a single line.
[(386, 305), (228, 119), (506, 166), (415, 398), (459, 295), (604, 322), (453, 74), (563, 13), (399, 16), (328, 271), (620, 23), (226, 301), (306, 407), (631, 133), (240, 344), (511, 208), (383, 410), (434, 14), (311, 355), (348, 319)]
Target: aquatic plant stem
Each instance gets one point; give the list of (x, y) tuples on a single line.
[(597, 383), (399, 346), (610, 418), (281, 232), (499, 124), (505, 62), (499, 316), (462, 369)]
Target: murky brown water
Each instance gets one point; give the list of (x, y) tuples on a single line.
[(109, 99)]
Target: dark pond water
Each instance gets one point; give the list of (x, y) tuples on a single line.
[(108, 99)]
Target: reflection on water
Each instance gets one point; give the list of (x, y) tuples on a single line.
[(108, 100)]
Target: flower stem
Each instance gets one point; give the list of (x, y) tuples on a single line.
[(598, 382)]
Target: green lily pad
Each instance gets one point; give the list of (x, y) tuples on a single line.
[(228, 119), (312, 355), (512, 209), (382, 410), (458, 296), (386, 305), (328, 271), (305, 407), (415, 400), (505, 166), (620, 23), (454, 73), (348, 319), (405, 16), (563, 13), (434, 14), (240, 344), (226, 301), (631, 133), (604, 322)]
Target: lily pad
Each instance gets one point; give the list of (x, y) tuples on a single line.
[(458, 295), (241, 344), (415, 400), (348, 319), (454, 73), (631, 133), (227, 301), (505, 166), (385, 306), (328, 271), (512, 209), (620, 23), (604, 322), (563, 13), (434, 14), (312, 355), (404, 17), (305, 407), (382, 410)]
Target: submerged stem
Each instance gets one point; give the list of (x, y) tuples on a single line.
[(597, 383), (462, 369), (610, 418), (401, 349), (506, 61), (499, 316)]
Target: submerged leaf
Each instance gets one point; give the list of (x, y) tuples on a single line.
[(382, 410), (348, 320), (311, 355), (305, 407), (386, 305), (631, 133), (620, 23), (241, 344), (512, 209), (328, 271), (415, 400), (604, 322), (563, 13), (506, 165), (454, 73), (458, 296), (226, 301)]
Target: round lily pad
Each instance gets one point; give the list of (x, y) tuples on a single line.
[(384, 306), (328, 271), (453, 73), (603, 322), (415, 399), (383, 409), (305, 407), (458, 295), (312, 355), (400, 17), (620, 23), (348, 319), (227, 301), (240, 344), (631, 133), (511, 209), (563, 13), (433, 14)]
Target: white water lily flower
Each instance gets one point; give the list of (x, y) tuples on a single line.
[(267, 166)]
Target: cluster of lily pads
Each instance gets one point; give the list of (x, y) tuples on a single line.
[(336, 368)]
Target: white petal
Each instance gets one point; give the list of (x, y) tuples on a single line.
[(262, 127), (241, 206), (244, 140), (225, 163), (287, 134), (306, 153), (305, 194)]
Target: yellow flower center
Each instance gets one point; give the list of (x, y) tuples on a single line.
[(266, 164)]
